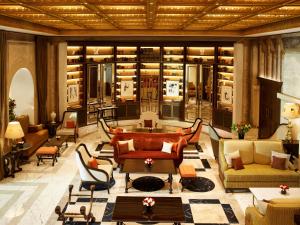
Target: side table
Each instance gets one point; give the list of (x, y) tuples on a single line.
[(52, 128), (291, 147)]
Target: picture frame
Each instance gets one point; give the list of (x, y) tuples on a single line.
[(172, 88), (73, 93), (126, 88), (226, 94)]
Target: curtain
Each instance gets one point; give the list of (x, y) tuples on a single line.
[(3, 98), (41, 77)]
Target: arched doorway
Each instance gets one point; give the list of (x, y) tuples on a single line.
[(22, 91)]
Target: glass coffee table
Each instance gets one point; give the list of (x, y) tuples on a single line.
[(160, 166), (165, 210)]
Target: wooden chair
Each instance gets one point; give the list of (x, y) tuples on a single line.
[(214, 139), (73, 211), (192, 133), (68, 125), (103, 175)]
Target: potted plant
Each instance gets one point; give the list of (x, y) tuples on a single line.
[(241, 129), (11, 109)]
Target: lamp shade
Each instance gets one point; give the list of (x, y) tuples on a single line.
[(290, 110), (14, 130)]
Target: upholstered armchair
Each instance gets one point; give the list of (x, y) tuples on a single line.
[(278, 212), (215, 137), (68, 125), (102, 175), (73, 211), (192, 133)]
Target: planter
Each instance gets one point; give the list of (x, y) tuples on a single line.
[(241, 135), (147, 209), (283, 191)]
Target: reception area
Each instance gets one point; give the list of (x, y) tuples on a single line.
[(149, 111)]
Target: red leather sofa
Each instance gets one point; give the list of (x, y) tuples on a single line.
[(149, 145)]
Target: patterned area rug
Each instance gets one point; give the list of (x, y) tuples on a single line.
[(213, 207)]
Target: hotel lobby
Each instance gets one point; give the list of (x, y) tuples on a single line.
[(149, 111)]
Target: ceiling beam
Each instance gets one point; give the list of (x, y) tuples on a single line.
[(201, 14), (275, 27), (48, 13), (270, 8), (23, 24), (151, 8), (99, 13)]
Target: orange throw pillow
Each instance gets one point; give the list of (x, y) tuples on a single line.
[(92, 163), (70, 124), (278, 163), (123, 148), (237, 163)]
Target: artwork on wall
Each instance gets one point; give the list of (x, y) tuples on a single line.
[(172, 88), (226, 94), (127, 88), (73, 93)]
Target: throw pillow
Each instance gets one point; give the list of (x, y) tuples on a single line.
[(237, 163), (230, 156), (92, 163), (188, 130), (148, 123), (281, 155), (118, 130), (167, 147), (130, 144), (70, 124), (123, 148), (278, 163)]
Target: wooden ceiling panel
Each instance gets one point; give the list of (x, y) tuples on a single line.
[(148, 15)]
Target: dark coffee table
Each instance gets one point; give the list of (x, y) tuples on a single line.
[(58, 142), (131, 209), (164, 166)]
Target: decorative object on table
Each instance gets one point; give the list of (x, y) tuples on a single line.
[(20, 144), (11, 109), (148, 203), (290, 111), (53, 116), (283, 188), (149, 162), (241, 129), (14, 131)]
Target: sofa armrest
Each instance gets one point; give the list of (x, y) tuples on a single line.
[(182, 143), (222, 162)]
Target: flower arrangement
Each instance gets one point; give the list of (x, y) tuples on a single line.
[(241, 129), (11, 109), (148, 202), (283, 188), (149, 162)]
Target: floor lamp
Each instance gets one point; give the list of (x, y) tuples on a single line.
[(14, 131), (290, 111)]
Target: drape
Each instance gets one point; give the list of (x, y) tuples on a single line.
[(3, 98), (41, 77)]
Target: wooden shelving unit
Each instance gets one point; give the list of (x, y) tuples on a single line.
[(75, 76), (100, 54), (200, 55)]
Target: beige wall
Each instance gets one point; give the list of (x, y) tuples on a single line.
[(21, 54)]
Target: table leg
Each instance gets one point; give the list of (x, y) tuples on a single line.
[(119, 223), (170, 179), (176, 223), (127, 179)]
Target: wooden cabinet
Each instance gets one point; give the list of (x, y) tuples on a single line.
[(269, 107)]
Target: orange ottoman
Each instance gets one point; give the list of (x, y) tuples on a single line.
[(47, 153), (187, 173)]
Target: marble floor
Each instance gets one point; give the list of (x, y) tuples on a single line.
[(30, 197)]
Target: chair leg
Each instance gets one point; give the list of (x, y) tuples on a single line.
[(108, 187), (197, 146), (80, 186), (38, 161)]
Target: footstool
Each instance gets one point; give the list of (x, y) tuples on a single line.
[(47, 153), (187, 174)]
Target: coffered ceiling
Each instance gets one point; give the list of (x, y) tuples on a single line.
[(151, 17)]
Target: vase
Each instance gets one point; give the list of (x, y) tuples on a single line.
[(148, 165), (148, 209), (283, 191), (241, 135)]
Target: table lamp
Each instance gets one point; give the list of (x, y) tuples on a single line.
[(290, 111), (14, 131)]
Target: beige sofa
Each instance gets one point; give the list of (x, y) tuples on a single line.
[(278, 212), (35, 135), (256, 157)]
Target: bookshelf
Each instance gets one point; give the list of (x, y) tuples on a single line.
[(200, 55), (75, 76), (150, 54), (99, 54)]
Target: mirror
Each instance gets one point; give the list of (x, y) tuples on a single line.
[(198, 96), (100, 86), (22, 90)]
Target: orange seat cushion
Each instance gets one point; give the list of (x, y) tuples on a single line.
[(187, 171), (52, 150)]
